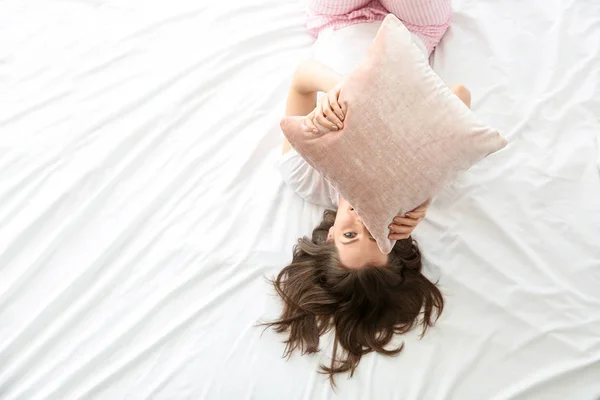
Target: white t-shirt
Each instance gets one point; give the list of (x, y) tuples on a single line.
[(341, 50), (306, 181)]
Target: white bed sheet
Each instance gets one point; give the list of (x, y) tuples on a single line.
[(140, 209)]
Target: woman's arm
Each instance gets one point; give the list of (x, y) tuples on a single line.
[(310, 77), (462, 93)]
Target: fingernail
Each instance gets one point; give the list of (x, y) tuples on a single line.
[(340, 126), (315, 130), (335, 128)]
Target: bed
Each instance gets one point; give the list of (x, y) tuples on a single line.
[(141, 212)]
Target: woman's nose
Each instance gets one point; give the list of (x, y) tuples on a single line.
[(355, 214)]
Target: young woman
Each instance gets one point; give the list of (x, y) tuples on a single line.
[(339, 279)]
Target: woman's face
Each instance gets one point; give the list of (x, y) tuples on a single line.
[(355, 245)]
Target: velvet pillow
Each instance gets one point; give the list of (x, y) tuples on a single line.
[(405, 135)]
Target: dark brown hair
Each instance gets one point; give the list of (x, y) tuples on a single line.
[(365, 307)]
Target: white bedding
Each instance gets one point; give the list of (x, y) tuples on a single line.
[(140, 210)]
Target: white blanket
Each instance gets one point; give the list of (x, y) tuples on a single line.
[(140, 210)]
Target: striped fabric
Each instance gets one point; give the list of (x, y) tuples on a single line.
[(428, 19)]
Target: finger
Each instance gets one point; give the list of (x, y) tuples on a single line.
[(406, 221), (398, 236), (323, 121), (308, 121), (401, 229), (416, 214), (309, 124), (320, 116), (320, 126), (335, 106), (330, 115)]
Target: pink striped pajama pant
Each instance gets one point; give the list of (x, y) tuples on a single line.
[(427, 19)]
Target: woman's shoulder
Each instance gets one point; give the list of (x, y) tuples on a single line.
[(305, 180)]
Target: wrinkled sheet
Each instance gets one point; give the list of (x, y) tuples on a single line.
[(140, 210)]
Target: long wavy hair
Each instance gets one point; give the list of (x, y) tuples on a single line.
[(365, 307)]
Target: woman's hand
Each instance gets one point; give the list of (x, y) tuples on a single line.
[(328, 113), (403, 226)]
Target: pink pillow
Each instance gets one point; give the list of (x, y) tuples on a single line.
[(405, 136)]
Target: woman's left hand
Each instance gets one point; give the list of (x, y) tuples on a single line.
[(403, 226), (328, 113)]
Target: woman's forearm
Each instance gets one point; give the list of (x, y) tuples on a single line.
[(312, 76)]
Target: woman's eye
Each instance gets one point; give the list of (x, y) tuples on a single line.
[(349, 235)]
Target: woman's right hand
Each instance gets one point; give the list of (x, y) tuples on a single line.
[(328, 113), (403, 226)]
